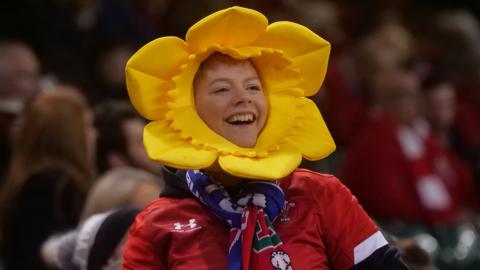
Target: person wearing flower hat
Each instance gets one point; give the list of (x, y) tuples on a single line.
[(231, 122)]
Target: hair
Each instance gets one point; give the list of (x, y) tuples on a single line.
[(109, 117), (6, 46), (218, 57), (433, 80), (115, 189), (51, 134)]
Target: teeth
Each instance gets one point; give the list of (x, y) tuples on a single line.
[(244, 117)]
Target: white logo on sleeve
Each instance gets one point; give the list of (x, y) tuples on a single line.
[(186, 227), (281, 261)]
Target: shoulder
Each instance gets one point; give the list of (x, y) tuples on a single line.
[(163, 208), (311, 183), (167, 206), (162, 214), (308, 177), (164, 223), (325, 192)]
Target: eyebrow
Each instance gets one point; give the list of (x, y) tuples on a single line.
[(228, 80), (252, 79)]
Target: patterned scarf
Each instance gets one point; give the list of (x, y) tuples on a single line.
[(253, 244)]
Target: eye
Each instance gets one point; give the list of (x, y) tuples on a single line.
[(254, 87), (219, 90)]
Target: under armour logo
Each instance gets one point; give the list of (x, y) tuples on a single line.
[(191, 225)]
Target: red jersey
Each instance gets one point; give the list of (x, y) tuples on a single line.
[(322, 226), (390, 169)]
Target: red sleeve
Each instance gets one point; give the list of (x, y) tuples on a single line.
[(140, 252), (349, 233)]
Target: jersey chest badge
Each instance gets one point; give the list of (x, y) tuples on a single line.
[(286, 215), (281, 260)]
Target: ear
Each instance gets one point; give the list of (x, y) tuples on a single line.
[(116, 160)]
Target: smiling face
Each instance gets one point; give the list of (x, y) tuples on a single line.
[(230, 100)]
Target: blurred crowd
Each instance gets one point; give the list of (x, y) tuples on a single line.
[(401, 98)]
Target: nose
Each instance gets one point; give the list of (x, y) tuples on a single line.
[(242, 96)]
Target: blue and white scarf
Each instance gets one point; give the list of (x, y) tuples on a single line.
[(245, 214)]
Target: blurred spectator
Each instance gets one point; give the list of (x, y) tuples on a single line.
[(96, 244), (414, 255), (19, 72), (68, 34), (453, 46), (350, 77), (121, 187), (110, 73), (49, 176), (120, 138), (439, 106), (19, 84), (396, 168), (456, 52), (111, 207)]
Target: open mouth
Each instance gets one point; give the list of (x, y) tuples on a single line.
[(241, 119)]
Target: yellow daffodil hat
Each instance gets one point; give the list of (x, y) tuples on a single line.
[(291, 61)]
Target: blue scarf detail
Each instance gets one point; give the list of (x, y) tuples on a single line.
[(262, 195)]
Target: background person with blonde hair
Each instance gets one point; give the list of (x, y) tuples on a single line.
[(121, 187)]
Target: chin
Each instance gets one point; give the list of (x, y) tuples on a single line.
[(243, 142), (246, 144)]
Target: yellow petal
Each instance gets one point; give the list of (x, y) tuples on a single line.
[(308, 52), (161, 57), (148, 93), (282, 116), (313, 138), (183, 93), (166, 147), (149, 71), (244, 52), (275, 71), (275, 166), (235, 26), (313, 67)]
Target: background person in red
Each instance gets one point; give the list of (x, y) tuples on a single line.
[(397, 167)]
